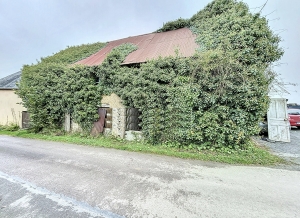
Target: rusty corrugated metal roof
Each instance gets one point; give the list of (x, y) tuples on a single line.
[(150, 46)]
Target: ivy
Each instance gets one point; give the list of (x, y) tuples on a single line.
[(213, 99), (81, 95), (110, 72), (228, 25), (174, 25), (74, 53), (51, 88)]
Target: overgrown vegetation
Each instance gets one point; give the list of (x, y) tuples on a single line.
[(174, 25), (213, 100), (11, 127), (73, 53), (52, 88)]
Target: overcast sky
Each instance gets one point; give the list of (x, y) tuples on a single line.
[(31, 29)]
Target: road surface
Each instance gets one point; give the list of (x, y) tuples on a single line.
[(50, 179)]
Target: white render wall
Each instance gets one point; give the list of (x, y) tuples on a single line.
[(10, 109)]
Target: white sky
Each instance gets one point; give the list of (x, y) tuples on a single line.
[(31, 29)]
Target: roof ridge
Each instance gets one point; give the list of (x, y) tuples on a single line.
[(149, 46)]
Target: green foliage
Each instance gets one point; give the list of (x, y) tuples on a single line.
[(151, 90), (210, 99), (10, 127), (174, 25), (222, 93), (81, 95), (52, 88), (110, 72), (42, 94), (74, 53), (228, 25)]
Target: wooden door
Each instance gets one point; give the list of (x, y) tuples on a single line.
[(104, 121), (99, 124), (278, 122), (25, 119)]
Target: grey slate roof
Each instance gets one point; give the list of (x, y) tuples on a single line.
[(9, 82)]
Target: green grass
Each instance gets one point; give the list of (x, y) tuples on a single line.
[(254, 155)]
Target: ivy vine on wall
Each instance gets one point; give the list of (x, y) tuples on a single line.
[(53, 87), (213, 99)]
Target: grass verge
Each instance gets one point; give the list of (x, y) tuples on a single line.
[(254, 155)]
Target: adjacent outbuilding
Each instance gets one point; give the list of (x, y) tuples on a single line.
[(11, 111)]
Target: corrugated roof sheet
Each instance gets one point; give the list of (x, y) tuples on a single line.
[(9, 82), (150, 46)]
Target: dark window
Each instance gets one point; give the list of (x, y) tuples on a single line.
[(133, 119)]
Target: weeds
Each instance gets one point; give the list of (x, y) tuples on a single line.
[(11, 127)]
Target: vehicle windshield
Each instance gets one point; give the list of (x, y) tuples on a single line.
[(294, 112)]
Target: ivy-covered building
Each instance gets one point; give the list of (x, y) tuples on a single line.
[(201, 82), (123, 121)]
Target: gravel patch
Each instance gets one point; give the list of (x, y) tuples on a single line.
[(290, 151)]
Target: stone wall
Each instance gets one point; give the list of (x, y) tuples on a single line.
[(118, 114)]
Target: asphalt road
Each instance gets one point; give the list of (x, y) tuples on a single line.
[(48, 179)]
